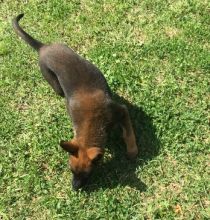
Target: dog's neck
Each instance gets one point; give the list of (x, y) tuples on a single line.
[(89, 115), (91, 133)]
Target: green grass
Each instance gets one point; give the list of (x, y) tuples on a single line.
[(156, 55)]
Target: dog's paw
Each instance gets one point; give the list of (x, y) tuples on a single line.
[(131, 155)]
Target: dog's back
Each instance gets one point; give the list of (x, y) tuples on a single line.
[(65, 70), (73, 72)]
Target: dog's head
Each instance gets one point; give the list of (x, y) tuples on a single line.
[(82, 161)]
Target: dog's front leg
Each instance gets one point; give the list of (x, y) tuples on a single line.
[(122, 114), (128, 134)]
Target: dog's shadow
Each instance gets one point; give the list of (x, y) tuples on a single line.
[(117, 170)]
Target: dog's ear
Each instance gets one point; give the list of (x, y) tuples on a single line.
[(69, 146), (95, 153)]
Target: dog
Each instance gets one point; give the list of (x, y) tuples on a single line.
[(89, 103)]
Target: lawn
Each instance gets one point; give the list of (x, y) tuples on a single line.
[(156, 57)]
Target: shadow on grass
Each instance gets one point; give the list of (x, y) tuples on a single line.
[(119, 171)]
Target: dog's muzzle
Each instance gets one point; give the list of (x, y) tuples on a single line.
[(78, 182)]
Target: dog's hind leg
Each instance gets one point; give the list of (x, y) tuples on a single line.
[(52, 79)]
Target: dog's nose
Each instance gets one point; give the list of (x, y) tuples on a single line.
[(77, 183)]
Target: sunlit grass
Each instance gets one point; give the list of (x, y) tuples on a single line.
[(155, 54)]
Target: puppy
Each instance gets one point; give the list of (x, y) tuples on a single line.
[(89, 104)]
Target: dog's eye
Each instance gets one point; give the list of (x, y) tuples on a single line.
[(84, 174)]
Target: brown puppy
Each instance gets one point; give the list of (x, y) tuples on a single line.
[(89, 103)]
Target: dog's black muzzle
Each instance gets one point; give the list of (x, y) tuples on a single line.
[(79, 181)]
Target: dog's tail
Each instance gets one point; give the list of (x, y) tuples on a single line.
[(26, 37)]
